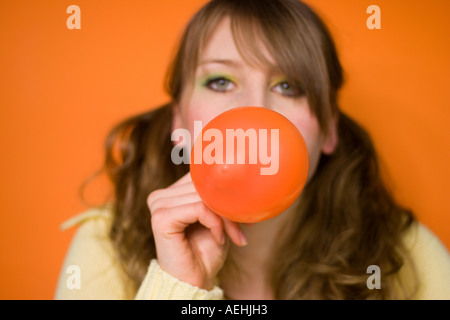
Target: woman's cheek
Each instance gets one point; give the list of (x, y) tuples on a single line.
[(198, 115), (311, 134), (314, 153)]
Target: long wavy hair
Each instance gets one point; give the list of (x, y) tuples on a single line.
[(347, 218)]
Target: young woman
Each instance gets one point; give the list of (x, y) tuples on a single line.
[(157, 240)]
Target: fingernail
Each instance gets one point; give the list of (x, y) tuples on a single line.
[(243, 238)]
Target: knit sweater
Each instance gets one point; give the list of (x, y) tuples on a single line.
[(92, 270)]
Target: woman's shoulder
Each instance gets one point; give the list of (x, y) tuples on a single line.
[(101, 215), (421, 240), (94, 255), (92, 235), (430, 262)]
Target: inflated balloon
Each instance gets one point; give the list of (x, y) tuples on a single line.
[(249, 164)]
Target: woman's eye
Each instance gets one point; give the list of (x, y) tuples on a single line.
[(220, 84), (286, 89)]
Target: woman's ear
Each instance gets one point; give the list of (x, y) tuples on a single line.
[(331, 139)]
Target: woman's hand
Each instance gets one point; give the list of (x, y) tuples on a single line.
[(191, 241)]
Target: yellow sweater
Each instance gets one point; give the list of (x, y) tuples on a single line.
[(91, 269)]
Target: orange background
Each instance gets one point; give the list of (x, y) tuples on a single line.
[(61, 91)]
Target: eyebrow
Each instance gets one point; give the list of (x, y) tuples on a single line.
[(231, 63)]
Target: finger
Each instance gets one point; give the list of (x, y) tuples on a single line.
[(180, 189), (210, 220), (171, 192), (175, 220), (235, 232), (175, 200)]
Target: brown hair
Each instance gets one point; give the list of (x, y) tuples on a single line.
[(347, 220)]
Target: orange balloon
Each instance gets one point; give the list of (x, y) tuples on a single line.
[(249, 164)]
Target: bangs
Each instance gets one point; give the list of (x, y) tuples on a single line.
[(291, 34), (289, 41), (255, 42)]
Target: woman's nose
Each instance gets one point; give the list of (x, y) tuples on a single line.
[(255, 97)]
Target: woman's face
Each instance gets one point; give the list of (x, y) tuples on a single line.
[(223, 80)]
